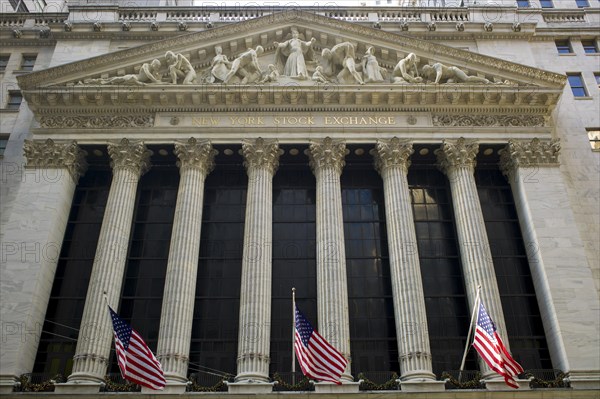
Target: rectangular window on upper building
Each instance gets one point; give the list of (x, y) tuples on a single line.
[(3, 62), (594, 136), (28, 62), (590, 46), (523, 3), (546, 4), (597, 77), (563, 46), (582, 3), (14, 100), (577, 86), (3, 143)]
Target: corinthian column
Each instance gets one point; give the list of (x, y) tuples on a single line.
[(557, 258), (326, 161), (128, 161), (414, 354), (456, 158), (195, 162), (30, 245), (261, 162)]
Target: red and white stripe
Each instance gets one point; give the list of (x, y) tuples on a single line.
[(320, 360), (494, 353), (138, 363)]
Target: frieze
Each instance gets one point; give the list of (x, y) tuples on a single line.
[(121, 57), (489, 120), (97, 121)]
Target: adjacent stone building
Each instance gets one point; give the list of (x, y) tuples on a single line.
[(192, 164)]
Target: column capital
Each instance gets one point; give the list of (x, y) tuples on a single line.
[(261, 153), (457, 154), (327, 153), (48, 154), (194, 154), (525, 153), (129, 156), (392, 153)]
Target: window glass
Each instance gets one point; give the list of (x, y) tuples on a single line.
[(589, 46), (28, 62), (577, 86), (563, 46), (15, 98)]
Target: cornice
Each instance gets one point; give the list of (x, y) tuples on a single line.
[(199, 39)]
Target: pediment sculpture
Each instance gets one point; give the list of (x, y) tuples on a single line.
[(295, 60)]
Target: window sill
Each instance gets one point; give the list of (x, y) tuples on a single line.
[(593, 54), (567, 54), (584, 98), (8, 110)]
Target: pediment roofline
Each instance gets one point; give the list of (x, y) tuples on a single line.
[(336, 28)]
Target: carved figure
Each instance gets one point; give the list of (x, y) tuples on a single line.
[(294, 49), (406, 70), (180, 67), (246, 66), (440, 73), (341, 55), (272, 74), (148, 73), (220, 66), (318, 76), (372, 72)]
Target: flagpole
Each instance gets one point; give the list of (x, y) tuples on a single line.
[(293, 335), (475, 306)]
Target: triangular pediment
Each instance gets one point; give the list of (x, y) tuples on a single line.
[(490, 81)]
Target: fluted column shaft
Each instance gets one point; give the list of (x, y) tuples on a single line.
[(129, 161), (261, 161), (414, 353), (327, 161), (175, 334), (457, 160)]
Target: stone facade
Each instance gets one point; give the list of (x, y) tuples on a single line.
[(501, 81)]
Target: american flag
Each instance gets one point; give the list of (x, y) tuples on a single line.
[(318, 359), (136, 360), (491, 348)]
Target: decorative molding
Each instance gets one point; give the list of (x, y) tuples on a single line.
[(527, 154), (134, 157), (261, 153), (50, 155), (408, 43), (391, 153), (489, 120), (195, 154), (455, 154), (327, 153), (97, 122)]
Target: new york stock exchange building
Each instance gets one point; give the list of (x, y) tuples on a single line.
[(190, 165)]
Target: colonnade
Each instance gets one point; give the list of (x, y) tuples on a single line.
[(456, 158)]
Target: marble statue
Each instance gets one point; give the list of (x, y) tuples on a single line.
[(246, 66), (341, 56), (271, 76), (220, 66), (179, 67), (406, 71), (289, 56), (149, 73), (318, 76), (440, 73), (372, 72)]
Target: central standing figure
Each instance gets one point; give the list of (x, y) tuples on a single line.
[(294, 49)]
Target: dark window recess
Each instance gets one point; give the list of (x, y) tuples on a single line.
[(294, 255), (4, 62), (28, 62), (546, 4), (563, 47), (141, 297), (372, 325), (67, 299), (15, 98), (582, 3), (448, 314), (577, 86), (523, 3), (216, 310), (524, 326), (589, 46), (3, 144)]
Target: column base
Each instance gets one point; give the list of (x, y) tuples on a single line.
[(584, 379), (78, 387), (329, 387), (498, 384), (176, 388), (422, 385), (255, 388), (8, 384)]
